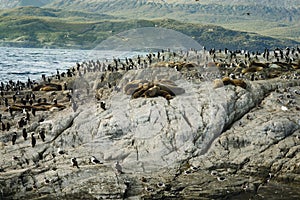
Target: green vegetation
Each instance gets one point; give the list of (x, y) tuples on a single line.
[(262, 17), (48, 27)]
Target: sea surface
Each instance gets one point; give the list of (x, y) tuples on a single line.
[(23, 63)]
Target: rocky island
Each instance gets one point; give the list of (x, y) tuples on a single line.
[(215, 124)]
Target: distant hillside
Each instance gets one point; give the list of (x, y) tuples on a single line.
[(4, 4), (52, 13), (269, 3), (38, 27), (268, 10), (263, 17), (280, 19)]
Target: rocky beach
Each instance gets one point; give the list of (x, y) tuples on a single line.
[(207, 124)]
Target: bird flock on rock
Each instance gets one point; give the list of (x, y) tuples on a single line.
[(23, 103)]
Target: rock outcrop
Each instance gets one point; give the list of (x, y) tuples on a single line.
[(208, 143)]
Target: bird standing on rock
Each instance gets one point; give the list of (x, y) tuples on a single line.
[(14, 98), (74, 105), (102, 105), (10, 110), (33, 110), (33, 140), (14, 138), (7, 126), (74, 162), (3, 126), (42, 135), (60, 151), (24, 132), (95, 161), (118, 168)]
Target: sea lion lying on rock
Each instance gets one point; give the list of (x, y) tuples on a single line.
[(37, 107), (133, 85), (178, 65), (149, 89), (252, 69), (47, 87), (227, 81)]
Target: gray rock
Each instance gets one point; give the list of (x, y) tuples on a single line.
[(206, 143)]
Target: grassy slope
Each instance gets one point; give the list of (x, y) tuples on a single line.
[(265, 15), (36, 27)]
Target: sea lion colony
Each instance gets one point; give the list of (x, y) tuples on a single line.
[(23, 103), (143, 88)]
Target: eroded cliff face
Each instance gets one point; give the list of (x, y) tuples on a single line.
[(206, 143)]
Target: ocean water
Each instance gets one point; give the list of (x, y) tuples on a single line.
[(23, 63)]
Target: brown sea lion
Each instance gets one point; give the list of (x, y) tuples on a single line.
[(161, 64), (189, 65), (165, 94), (170, 87), (152, 92), (140, 91), (165, 88), (47, 87), (257, 64), (239, 82), (130, 87), (226, 81), (252, 69)]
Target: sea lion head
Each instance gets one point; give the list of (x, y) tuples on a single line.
[(152, 92)]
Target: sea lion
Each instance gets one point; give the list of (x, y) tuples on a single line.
[(165, 88), (252, 69), (171, 89), (257, 64), (239, 82), (131, 86), (226, 81), (140, 91), (48, 87), (189, 65), (152, 92), (165, 94)]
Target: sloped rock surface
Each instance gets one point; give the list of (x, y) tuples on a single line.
[(206, 142)]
